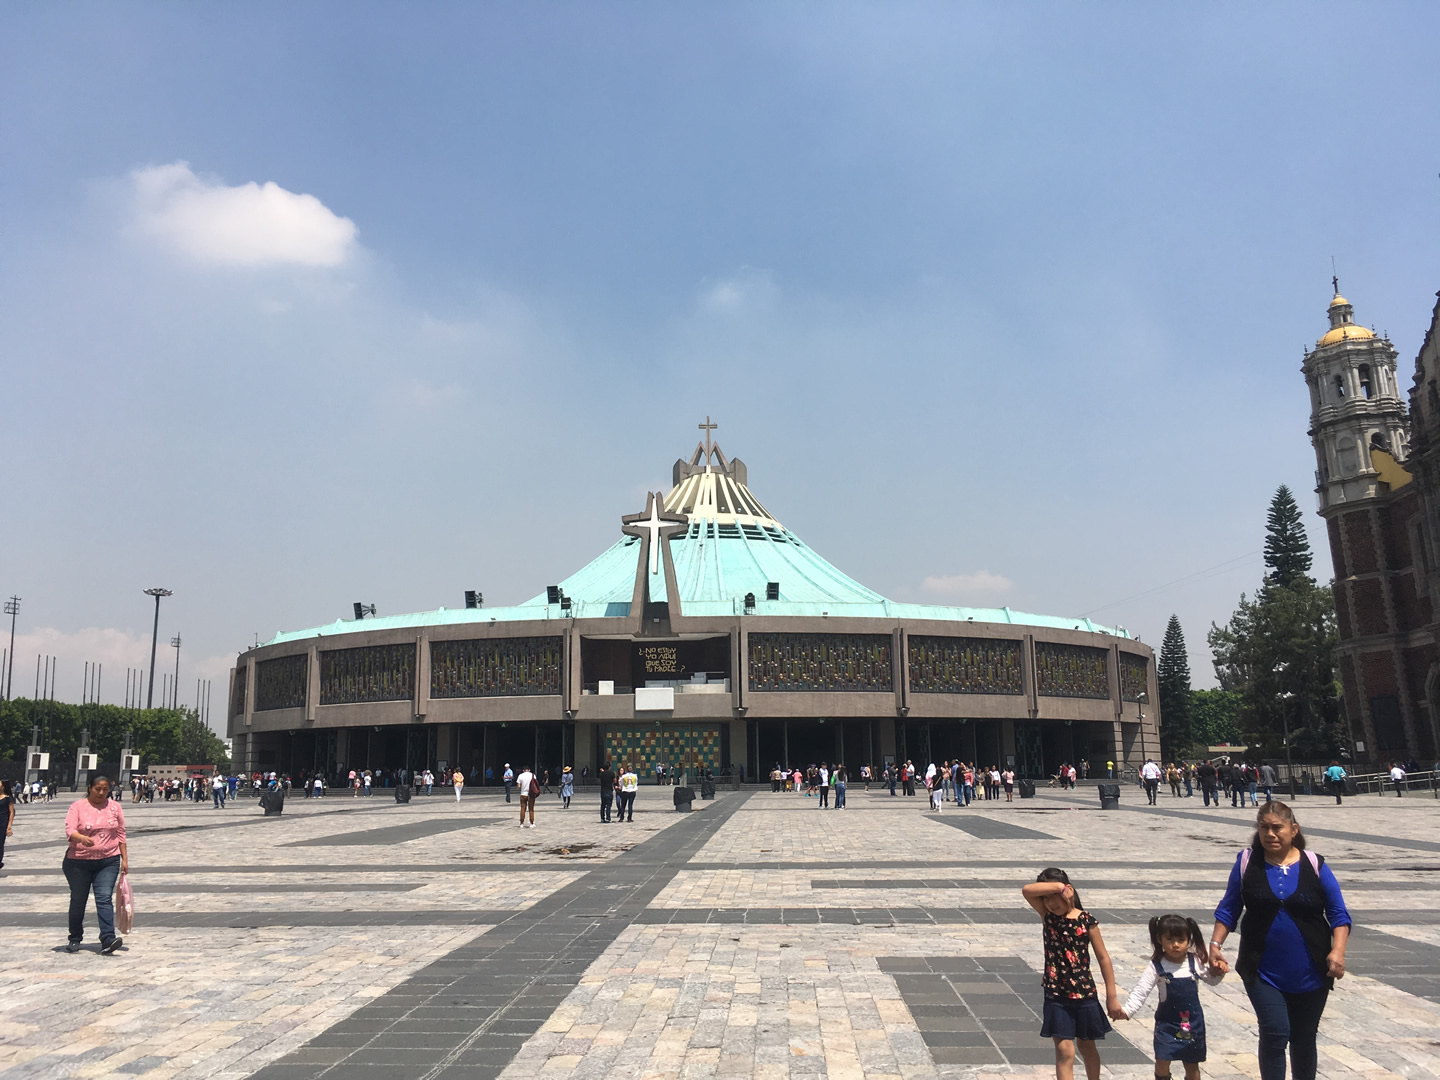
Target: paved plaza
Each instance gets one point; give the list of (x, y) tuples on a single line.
[(758, 936)]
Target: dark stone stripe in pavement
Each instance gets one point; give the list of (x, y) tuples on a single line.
[(250, 920), (1408, 965), (502, 986), (359, 885), (981, 1010), (1137, 882), (988, 828), (459, 866), (393, 834), (1245, 820), (880, 915)]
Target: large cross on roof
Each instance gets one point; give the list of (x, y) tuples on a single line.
[(708, 427)]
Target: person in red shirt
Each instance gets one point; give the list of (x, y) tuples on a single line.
[(94, 861)]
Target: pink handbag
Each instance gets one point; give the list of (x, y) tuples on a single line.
[(124, 905)]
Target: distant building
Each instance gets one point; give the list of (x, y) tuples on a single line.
[(1381, 540), (708, 635)]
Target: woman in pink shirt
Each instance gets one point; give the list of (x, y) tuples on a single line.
[(94, 861)]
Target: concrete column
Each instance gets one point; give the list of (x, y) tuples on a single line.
[(740, 747), (312, 683), (249, 690), (585, 748), (1028, 680), (422, 675), (1007, 742)]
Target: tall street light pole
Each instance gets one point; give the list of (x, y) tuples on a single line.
[(12, 608), (154, 641), (175, 694)]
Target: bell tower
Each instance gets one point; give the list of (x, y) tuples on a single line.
[(1356, 408)]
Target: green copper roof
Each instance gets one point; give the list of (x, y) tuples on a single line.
[(732, 547)]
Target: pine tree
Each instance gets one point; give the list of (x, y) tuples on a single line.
[(1287, 548), (1173, 675)]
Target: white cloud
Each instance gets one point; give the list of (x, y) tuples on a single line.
[(424, 395), (748, 288), (246, 225), (980, 583), (114, 651)]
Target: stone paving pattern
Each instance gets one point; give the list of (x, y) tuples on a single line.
[(758, 937)]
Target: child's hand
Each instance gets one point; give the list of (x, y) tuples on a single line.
[(1223, 966), (1117, 1013)]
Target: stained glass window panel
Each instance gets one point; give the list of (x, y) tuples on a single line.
[(1134, 676), (281, 683), (952, 665), (496, 667), (375, 673), (844, 662), (1071, 671)]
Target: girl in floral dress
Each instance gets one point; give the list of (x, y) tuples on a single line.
[(1072, 1017)]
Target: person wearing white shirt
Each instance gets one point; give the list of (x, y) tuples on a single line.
[(1397, 776), (1151, 774), (629, 785), (526, 783)]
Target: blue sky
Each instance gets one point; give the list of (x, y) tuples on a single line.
[(1001, 304)]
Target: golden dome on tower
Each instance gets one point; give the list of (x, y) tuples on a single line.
[(1338, 301), (1348, 332)]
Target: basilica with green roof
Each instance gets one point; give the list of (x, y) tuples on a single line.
[(708, 636)]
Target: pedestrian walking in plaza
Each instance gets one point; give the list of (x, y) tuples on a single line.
[(1292, 939), (528, 784), (865, 775), (1072, 1014), (217, 791), (508, 778), (1252, 783), (1209, 778), (567, 787), (629, 786), (7, 816), (840, 779), (1178, 964), (1150, 774), (822, 785), (890, 771), (607, 791), (1266, 779), (1397, 777), (457, 780), (94, 861), (1334, 780), (1007, 781)]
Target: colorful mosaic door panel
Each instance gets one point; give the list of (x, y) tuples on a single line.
[(645, 747)]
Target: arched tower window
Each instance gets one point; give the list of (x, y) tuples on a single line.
[(1365, 381), (1340, 387)]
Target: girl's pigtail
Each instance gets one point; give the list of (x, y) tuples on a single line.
[(1159, 950), (1197, 940)]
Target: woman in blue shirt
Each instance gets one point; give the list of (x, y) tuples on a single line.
[(1292, 939)]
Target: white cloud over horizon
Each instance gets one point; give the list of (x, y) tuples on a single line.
[(249, 224), (982, 583)]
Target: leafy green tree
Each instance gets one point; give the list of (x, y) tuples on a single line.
[(1173, 675), (1278, 650), (161, 736), (1287, 548), (1214, 718)]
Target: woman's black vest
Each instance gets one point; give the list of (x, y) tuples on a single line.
[(1305, 906)]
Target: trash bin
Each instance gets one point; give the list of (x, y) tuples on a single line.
[(1109, 796), (272, 802), (684, 796), (1351, 788), (1027, 789), (403, 793)]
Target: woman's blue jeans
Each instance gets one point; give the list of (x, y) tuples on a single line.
[(99, 876), (1286, 1019), (839, 796)]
